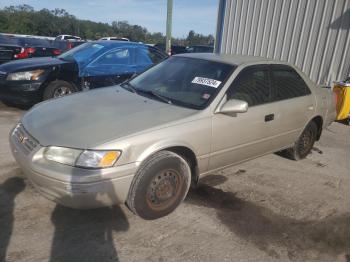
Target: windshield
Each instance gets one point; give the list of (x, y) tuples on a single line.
[(184, 81), (82, 54)]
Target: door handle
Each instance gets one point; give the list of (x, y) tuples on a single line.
[(269, 117), (310, 107)]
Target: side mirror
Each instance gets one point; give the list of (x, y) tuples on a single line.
[(233, 106)]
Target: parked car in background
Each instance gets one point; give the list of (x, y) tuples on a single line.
[(35, 47), (9, 49), (65, 45), (115, 38), (175, 49), (88, 66), (14, 48), (67, 37), (144, 142), (200, 49)]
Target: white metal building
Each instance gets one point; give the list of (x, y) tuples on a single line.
[(312, 34)]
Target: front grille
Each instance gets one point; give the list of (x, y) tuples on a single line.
[(24, 140)]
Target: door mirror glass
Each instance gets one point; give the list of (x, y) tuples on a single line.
[(234, 106)]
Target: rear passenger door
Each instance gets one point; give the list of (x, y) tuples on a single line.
[(295, 104)]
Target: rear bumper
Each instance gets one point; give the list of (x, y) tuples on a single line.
[(74, 187), (21, 93)]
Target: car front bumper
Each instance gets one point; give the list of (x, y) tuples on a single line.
[(21, 92), (71, 186)]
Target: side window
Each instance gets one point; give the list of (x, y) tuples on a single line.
[(147, 56), (288, 83), (115, 57), (155, 56), (251, 85)]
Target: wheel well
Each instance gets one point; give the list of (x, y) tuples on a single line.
[(319, 122), (190, 157)]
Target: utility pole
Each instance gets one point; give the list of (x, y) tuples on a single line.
[(169, 21)]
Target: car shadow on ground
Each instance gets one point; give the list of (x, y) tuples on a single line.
[(265, 229), (344, 122), (86, 235), (9, 105), (8, 192)]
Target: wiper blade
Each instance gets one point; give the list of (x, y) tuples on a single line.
[(154, 94), (129, 86)]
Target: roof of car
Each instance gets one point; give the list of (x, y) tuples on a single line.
[(228, 59), (117, 42)]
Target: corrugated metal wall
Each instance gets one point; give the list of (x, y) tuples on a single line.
[(312, 34)]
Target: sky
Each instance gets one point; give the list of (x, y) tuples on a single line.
[(197, 15)]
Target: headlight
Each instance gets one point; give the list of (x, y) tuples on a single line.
[(28, 75), (82, 158), (62, 155)]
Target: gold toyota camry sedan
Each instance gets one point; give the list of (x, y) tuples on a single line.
[(144, 142)]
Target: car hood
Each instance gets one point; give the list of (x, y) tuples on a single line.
[(89, 119), (31, 63)]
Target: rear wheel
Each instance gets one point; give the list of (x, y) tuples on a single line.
[(303, 146), (159, 186), (58, 88)]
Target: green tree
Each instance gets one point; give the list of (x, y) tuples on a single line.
[(23, 19)]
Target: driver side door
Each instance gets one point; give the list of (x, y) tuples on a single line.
[(111, 68), (242, 136)]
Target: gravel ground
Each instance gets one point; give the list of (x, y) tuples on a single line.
[(268, 209)]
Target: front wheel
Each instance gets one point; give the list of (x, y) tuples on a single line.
[(159, 186), (57, 89), (303, 146)]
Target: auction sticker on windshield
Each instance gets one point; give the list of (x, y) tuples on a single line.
[(206, 81)]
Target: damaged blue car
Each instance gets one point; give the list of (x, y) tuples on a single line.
[(88, 66)]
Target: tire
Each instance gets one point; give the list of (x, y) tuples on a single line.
[(303, 146), (159, 186), (57, 89)]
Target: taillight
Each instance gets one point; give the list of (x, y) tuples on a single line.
[(30, 50), (23, 54), (69, 45), (56, 52)]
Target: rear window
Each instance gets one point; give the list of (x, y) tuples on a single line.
[(8, 40), (71, 38), (33, 42)]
